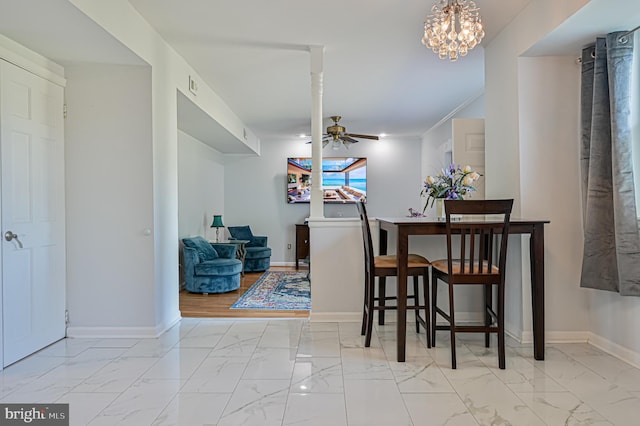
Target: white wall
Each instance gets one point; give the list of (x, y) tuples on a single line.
[(437, 141), (503, 149), (538, 19), (200, 187), (169, 72), (436, 154), (549, 94), (109, 185), (255, 195), (532, 154), (337, 269), (255, 188)]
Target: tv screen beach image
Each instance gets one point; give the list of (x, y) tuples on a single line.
[(344, 179)]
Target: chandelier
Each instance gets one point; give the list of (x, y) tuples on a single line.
[(453, 28)]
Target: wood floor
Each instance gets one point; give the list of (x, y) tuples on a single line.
[(194, 305)]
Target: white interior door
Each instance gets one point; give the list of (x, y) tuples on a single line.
[(468, 148), (33, 263)]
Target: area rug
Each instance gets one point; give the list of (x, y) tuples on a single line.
[(278, 290)]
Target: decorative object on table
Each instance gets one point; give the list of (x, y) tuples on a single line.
[(258, 257), (210, 268), (414, 213), (217, 223), (277, 290), (453, 28), (452, 183)]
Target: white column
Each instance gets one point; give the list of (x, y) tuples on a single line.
[(317, 202)]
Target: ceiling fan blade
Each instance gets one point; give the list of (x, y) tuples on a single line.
[(355, 135), (325, 138), (347, 140)]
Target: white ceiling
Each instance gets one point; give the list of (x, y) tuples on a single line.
[(59, 31), (597, 18), (254, 54), (377, 74)]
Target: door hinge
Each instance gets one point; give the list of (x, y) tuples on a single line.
[(64, 111), (66, 316)]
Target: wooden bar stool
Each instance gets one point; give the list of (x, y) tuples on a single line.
[(387, 266), (474, 266)]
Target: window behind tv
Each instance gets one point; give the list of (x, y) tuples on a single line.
[(344, 179)]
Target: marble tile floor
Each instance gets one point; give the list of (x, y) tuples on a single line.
[(294, 372)]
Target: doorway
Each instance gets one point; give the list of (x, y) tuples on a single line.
[(193, 305)]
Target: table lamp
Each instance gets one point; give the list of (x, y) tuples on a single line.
[(217, 223)]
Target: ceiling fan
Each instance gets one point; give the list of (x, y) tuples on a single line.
[(337, 133)]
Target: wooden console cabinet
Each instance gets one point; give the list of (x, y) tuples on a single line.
[(302, 242)]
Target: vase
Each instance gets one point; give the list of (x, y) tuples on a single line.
[(440, 214), (439, 203)]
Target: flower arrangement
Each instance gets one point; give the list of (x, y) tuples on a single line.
[(452, 183)]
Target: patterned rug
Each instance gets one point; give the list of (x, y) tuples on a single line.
[(281, 290)]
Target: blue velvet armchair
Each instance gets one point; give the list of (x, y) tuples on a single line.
[(210, 267), (258, 257)]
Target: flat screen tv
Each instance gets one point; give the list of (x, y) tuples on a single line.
[(344, 179)]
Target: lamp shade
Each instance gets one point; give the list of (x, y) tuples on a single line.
[(217, 221)]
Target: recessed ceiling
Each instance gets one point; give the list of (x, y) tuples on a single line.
[(197, 123)]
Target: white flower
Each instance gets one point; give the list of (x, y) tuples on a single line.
[(467, 169), (468, 180), (429, 180), (475, 176)]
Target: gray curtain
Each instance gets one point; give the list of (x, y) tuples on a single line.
[(611, 242)]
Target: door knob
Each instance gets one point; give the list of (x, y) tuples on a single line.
[(11, 236)]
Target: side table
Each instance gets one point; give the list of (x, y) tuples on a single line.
[(241, 250)]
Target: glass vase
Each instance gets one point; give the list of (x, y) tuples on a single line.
[(439, 204)]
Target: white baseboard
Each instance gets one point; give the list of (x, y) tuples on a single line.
[(122, 332), (625, 354), (283, 263), (335, 316), (614, 349), (556, 336), (112, 332), (162, 327), (567, 336)]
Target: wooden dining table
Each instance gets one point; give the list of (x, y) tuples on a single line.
[(404, 227)]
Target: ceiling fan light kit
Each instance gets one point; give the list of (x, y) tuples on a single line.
[(453, 28), (337, 135)]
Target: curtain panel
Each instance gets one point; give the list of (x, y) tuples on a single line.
[(611, 259)]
